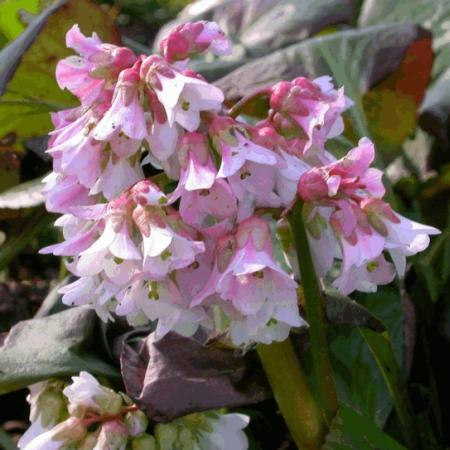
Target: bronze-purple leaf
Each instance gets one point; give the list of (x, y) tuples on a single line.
[(175, 376)]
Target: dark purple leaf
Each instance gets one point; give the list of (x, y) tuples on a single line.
[(176, 375)]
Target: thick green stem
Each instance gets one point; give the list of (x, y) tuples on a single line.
[(293, 394), (315, 316)]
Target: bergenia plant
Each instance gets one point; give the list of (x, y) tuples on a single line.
[(172, 211)]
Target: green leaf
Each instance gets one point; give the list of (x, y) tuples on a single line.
[(435, 16), (376, 76), (342, 310), (356, 374), (258, 28), (25, 195), (36, 222), (59, 345), (11, 24), (27, 66), (6, 442), (435, 110), (353, 431), (431, 14), (381, 349), (52, 303)]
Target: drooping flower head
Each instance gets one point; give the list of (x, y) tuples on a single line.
[(309, 110), (364, 225)]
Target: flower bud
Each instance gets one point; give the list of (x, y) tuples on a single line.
[(86, 393), (136, 423), (190, 39), (113, 436), (186, 439), (71, 430), (61, 436), (166, 436), (89, 441), (143, 442), (50, 406)]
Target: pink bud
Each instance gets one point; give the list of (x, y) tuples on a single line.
[(190, 39)]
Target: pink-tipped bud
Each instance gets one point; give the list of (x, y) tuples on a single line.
[(312, 186), (191, 39)]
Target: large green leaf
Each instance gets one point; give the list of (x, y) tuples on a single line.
[(381, 349), (59, 345), (356, 374), (258, 28), (435, 110), (342, 310), (11, 24), (31, 224), (353, 431), (431, 14), (27, 66), (435, 16), (24, 195), (384, 68)]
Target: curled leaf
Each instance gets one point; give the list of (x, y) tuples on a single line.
[(176, 375)]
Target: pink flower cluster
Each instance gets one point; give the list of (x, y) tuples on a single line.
[(201, 251)]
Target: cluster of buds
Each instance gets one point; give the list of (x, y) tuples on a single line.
[(194, 244), (88, 416)]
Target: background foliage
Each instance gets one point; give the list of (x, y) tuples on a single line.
[(392, 56)]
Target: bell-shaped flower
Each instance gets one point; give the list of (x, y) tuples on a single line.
[(226, 431), (126, 113), (167, 242), (246, 277), (85, 393), (403, 237), (113, 436), (348, 177), (202, 431), (193, 38), (63, 192), (72, 246), (212, 211), (310, 110), (365, 278), (95, 69), (183, 96), (116, 237), (47, 407), (63, 435), (160, 301), (364, 225), (236, 148), (117, 176), (197, 170), (92, 291)]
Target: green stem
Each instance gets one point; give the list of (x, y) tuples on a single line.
[(293, 394), (315, 316), (239, 106)]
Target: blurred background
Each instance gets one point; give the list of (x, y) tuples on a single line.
[(392, 56)]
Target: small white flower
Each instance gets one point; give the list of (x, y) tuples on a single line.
[(87, 393)]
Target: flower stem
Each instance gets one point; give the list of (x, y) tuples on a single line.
[(293, 394), (315, 316), (239, 106), (88, 421)]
